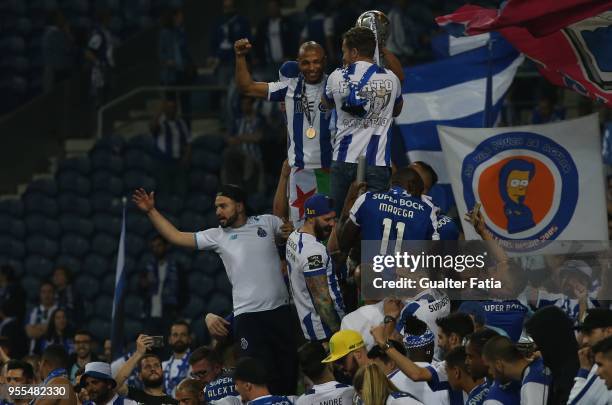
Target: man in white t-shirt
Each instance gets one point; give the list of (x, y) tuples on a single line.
[(247, 246), (366, 98)]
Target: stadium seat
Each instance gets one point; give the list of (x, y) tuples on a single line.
[(24, 26), (138, 223), (103, 306), (103, 180), (222, 283), (74, 245), (132, 328), (259, 202), (12, 226), (88, 287), (46, 186), (106, 159), (134, 179), (12, 44), (201, 285), (111, 224), (104, 245), (38, 266), (201, 181), (110, 143), (133, 283), (42, 225), (17, 265), (79, 164), (107, 203), (40, 245), (108, 282), (219, 304), (209, 143), (211, 220), (134, 244), (35, 202), (199, 203), (12, 206), (143, 142), (209, 161), (100, 328), (129, 265), (168, 203), (12, 247), (95, 265), (72, 181), (73, 264), (195, 308), (208, 263), (134, 305), (183, 257), (31, 285), (192, 222), (138, 159), (73, 204), (81, 226)]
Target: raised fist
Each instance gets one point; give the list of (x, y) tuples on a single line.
[(242, 47)]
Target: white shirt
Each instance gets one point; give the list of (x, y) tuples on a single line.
[(303, 152), (174, 367), (363, 319), (39, 315), (274, 39), (332, 393), (419, 389), (251, 261), (589, 389), (156, 300), (367, 136), (428, 306), (307, 257)]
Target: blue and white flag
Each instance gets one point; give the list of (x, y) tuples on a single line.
[(453, 92), (118, 300)]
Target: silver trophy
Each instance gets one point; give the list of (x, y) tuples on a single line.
[(378, 22)]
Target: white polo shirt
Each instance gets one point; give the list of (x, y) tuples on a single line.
[(327, 393), (251, 261)]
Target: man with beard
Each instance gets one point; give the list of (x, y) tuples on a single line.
[(314, 285), (248, 248), (348, 352), (83, 354), (177, 367), (100, 385), (151, 375)]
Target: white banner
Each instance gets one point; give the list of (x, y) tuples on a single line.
[(535, 182)]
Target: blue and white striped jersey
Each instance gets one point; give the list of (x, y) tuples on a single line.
[(571, 306), (327, 393), (301, 101), (504, 394), (307, 257), (439, 382), (428, 306), (368, 136), (478, 394), (222, 391), (537, 379), (419, 389), (589, 389)]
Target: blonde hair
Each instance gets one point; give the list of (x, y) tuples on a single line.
[(373, 385), (191, 386)]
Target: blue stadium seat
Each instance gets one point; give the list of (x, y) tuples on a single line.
[(208, 263), (38, 224), (106, 159), (80, 164), (31, 285), (18, 65), (73, 204), (12, 247), (195, 308), (17, 265), (103, 180), (219, 304), (143, 142), (211, 220), (138, 223), (42, 246), (12, 226), (134, 179), (73, 264), (74, 245), (134, 244), (134, 306), (12, 44), (12, 206), (168, 203), (95, 265), (192, 222), (38, 266), (199, 203), (88, 287), (208, 161), (222, 283), (259, 202), (138, 159), (129, 264), (103, 244), (108, 282), (103, 306), (203, 182), (110, 224), (78, 225), (24, 26), (183, 257), (72, 181), (100, 328), (133, 283), (110, 143), (46, 186), (132, 328), (145, 258), (209, 143), (35, 202), (201, 285), (107, 203)]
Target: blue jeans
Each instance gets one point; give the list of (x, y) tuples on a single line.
[(344, 174)]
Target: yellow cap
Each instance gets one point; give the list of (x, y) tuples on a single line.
[(342, 343)]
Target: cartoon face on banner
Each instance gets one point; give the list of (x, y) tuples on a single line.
[(527, 185)]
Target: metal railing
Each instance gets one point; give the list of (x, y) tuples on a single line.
[(149, 89)]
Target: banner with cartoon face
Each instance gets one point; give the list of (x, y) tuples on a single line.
[(535, 183)]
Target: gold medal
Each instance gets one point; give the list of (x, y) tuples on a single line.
[(311, 133)]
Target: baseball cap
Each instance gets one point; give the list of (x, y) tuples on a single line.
[(99, 370), (233, 192), (342, 343), (596, 318), (577, 266), (317, 205), (250, 370)]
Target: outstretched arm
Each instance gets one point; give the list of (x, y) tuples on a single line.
[(280, 206), (245, 83), (143, 343)]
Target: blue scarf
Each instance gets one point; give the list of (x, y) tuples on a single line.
[(170, 289), (171, 383)]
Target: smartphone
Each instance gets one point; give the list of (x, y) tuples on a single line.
[(158, 341), (475, 212)]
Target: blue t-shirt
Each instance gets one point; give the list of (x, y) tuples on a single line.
[(506, 394), (447, 228), (478, 395), (507, 315), (222, 387)]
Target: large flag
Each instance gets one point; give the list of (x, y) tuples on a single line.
[(569, 40), (452, 92), (119, 296), (535, 182)]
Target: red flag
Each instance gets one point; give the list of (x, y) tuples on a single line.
[(570, 40)]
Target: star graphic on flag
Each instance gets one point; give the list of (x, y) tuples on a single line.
[(301, 199)]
